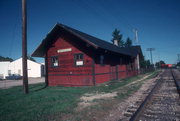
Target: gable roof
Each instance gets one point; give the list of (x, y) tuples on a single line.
[(20, 59), (93, 41)]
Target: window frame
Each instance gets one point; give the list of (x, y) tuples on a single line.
[(52, 64), (80, 58), (101, 60), (9, 72)]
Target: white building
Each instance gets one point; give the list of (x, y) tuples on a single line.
[(34, 69), (4, 69)]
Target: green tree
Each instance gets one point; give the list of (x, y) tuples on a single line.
[(145, 64), (158, 64), (178, 64), (128, 42), (5, 59), (117, 36)]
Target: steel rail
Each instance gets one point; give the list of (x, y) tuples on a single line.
[(145, 102), (135, 116), (176, 82)]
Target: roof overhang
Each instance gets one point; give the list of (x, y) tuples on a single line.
[(42, 48)]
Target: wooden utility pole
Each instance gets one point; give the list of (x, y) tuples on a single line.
[(24, 47), (151, 49)]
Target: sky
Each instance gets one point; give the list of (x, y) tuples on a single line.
[(157, 22)]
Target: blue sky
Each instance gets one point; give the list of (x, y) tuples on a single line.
[(157, 21)]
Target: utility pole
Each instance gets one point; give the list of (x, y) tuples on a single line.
[(150, 50), (24, 47), (178, 57)]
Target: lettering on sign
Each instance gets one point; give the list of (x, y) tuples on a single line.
[(64, 50)]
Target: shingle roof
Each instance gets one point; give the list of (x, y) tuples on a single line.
[(95, 42), (139, 50)]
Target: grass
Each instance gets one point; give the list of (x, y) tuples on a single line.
[(36, 105), (44, 104)]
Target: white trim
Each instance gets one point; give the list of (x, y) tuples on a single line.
[(64, 50)]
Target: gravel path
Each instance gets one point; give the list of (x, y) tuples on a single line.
[(120, 111), (11, 83)]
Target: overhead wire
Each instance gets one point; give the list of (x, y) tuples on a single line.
[(14, 30), (101, 13), (83, 4)]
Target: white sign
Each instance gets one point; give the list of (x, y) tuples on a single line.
[(64, 50), (79, 63)]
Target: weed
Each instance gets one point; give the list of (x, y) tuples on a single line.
[(54, 102)]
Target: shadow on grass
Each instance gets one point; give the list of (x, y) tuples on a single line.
[(45, 86), (37, 87)]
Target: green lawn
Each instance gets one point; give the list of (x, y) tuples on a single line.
[(44, 103)]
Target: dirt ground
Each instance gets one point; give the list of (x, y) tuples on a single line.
[(118, 109), (4, 84), (87, 99)]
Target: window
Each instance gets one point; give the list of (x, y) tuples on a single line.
[(79, 59), (54, 61), (19, 71), (101, 60), (9, 72)]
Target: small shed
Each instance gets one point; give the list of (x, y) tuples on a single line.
[(8, 68), (74, 58), (34, 69)]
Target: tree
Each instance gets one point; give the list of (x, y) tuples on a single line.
[(128, 42), (158, 64), (145, 64), (117, 36), (121, 43), (178, 64), (5, 59)]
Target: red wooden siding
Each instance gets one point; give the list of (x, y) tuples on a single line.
[(121, 71), (101, 61), (67, 73), (102, 73), (113, 69)]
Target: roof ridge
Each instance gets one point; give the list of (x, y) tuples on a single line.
[(92, 40), (86, 34)]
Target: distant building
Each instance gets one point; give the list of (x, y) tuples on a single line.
[(34, 69), (74, 58), (4, 69)]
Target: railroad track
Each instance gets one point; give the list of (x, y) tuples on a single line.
[(176, 77), (161, 103)]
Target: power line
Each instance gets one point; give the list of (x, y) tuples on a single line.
[(83, 4), (150, 50), (116, 17), (14, 32), (178, 57), (101, 13)]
